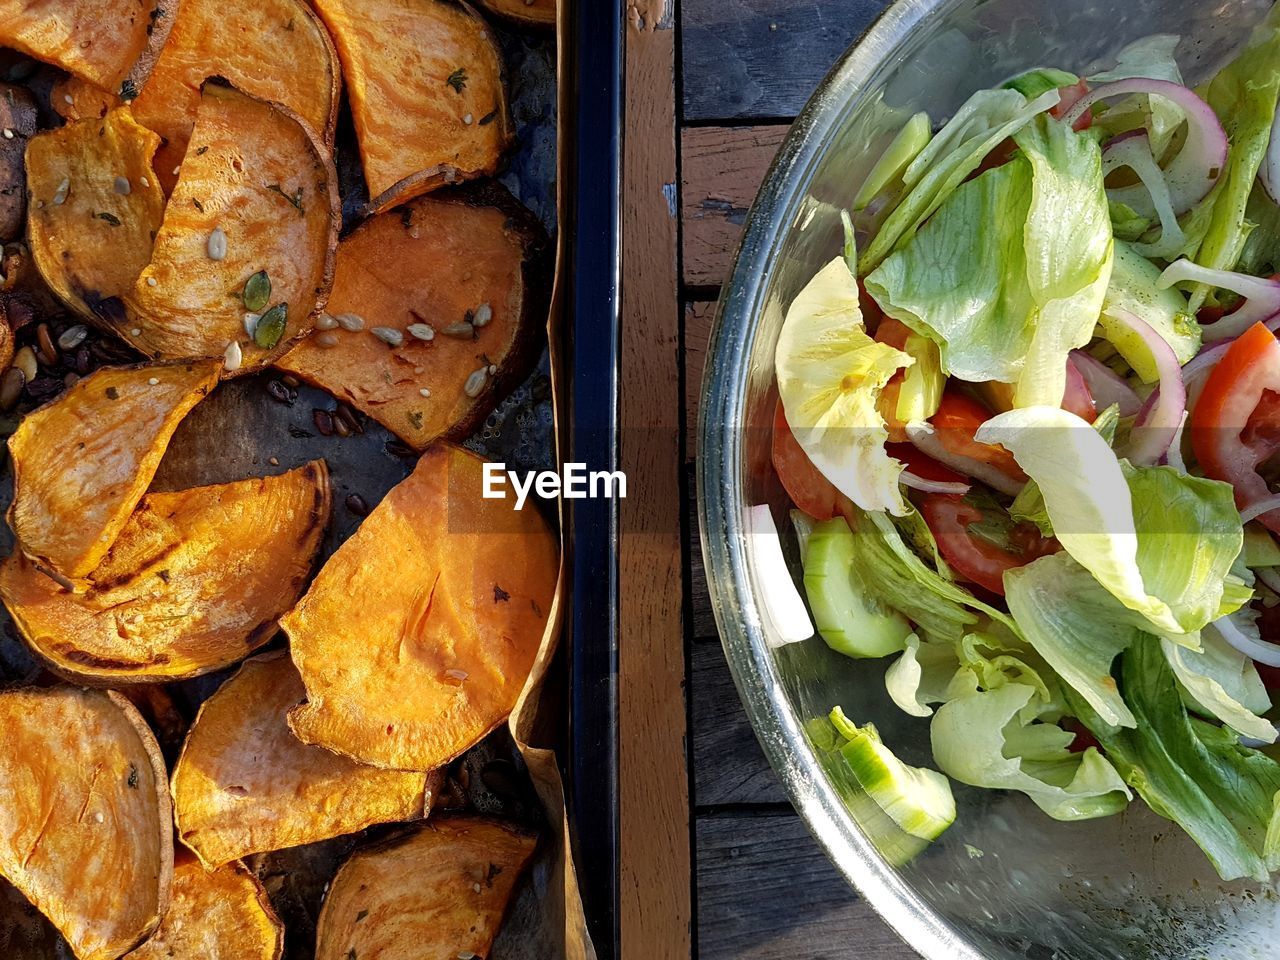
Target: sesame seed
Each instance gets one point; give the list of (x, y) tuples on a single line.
[(419, 370), (217, 246), (60, 195), (135, 332), (466, 120), (144, 181), (474, 384), (493, 368), (122, 186), (67, 98), (350, 321), (388, 335), (483, 314), (232, 356), (422, 331), (474, 886), (154, 381), (176, 170), (39, 204), (151, 281), (326, 321), (423, 391), (100, 817), (8, 134)]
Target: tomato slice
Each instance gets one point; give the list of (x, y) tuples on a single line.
[(893, 333), (982, 558), (1235, 425), (1069, 95), (955, 423), (805, 485), (1076, 398)]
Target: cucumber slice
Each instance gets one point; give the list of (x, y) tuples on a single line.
[(903, 148), (917, 799), (848, 619)]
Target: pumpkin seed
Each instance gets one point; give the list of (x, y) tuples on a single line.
[(257, 292), (270, 326)]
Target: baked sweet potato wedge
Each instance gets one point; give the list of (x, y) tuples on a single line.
[(83, 461), (222, 914), (277, 50), (466, 269), (95, 207), (112, 43), (18, 116), (424, 78), (525, 13), (86, 831), (195, 581), (76, 99), (245, 784), (416, 637), (257, 194), (440, 891)]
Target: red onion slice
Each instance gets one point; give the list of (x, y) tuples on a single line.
[(925, 485), (1256, 509), (1262, 296), (1192, 173), (1269, 172), (1161, 415), (1105, 385), (927, 442), (1173, 456), (1255, 648)]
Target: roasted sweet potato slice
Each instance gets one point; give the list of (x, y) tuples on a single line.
[(525, 13), (257, 193), (112, 43), (440, 891), (424, 78), (95, 206), (416, 637), (83, 461), (464, 268), (245, 784), (274, 49), (222, 914), (76, 99), (85, 827), (195, 581)]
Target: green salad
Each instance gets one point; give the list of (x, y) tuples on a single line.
[(1029, 420)]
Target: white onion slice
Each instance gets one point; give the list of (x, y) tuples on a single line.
[(926, 441), (1269, 172), (1105, 385), (1197, 166), (1133, 150), (925, 485), (1173, 456), (1254, 510), (1161, 415), (782, 602), (1255, 648), (1262, 296)]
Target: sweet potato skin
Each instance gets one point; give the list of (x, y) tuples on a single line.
[(222, 914), (440, 891), (89, 239), (246, 42), (434, 261), (425, 82), (83, 461), (111, 43), (416, 637), (86, 828), (524, 13), (195, 581), (244, 784), (259, 174)]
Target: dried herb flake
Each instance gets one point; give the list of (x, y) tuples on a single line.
[(197, 204), (133, 777), (295, 199), (500, 595), (488, 118), (458, 80), (361, 915), (111, 218)]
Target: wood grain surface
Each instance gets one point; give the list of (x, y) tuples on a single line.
[(655, 893)]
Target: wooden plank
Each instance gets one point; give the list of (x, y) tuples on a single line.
[(656, 906), (697, 331), (721, 172), (754, 59), (767, 892), (728, 765)]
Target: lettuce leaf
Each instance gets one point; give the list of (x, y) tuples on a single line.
[(1261, 253), (1168, 558), (1041, 80), (1188, 771), (1152, 57), (987, 739), (1222, 682)]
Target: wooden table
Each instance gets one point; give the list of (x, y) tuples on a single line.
[(711, 86)]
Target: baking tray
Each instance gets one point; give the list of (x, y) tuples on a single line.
[(241, 430)]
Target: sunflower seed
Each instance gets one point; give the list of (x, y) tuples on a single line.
[(122, 186), (424, 391), (326, 339), (217, 246), (423, 331), (483, 314), (460, 331), (72, 337), (232, 356), (323, 422), (60, 195), (475, 382), (350, 321), (348, 416), (388, 335), (326, 321)]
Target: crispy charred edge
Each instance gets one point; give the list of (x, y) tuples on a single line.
[(445, 174), (264, 902), (42, 563), (163, 14), (90, 670), (409, 832), (323, 158), (536, 21), (158, 770), (330, 132)]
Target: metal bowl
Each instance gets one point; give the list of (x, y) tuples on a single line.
[(1005, 881)]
